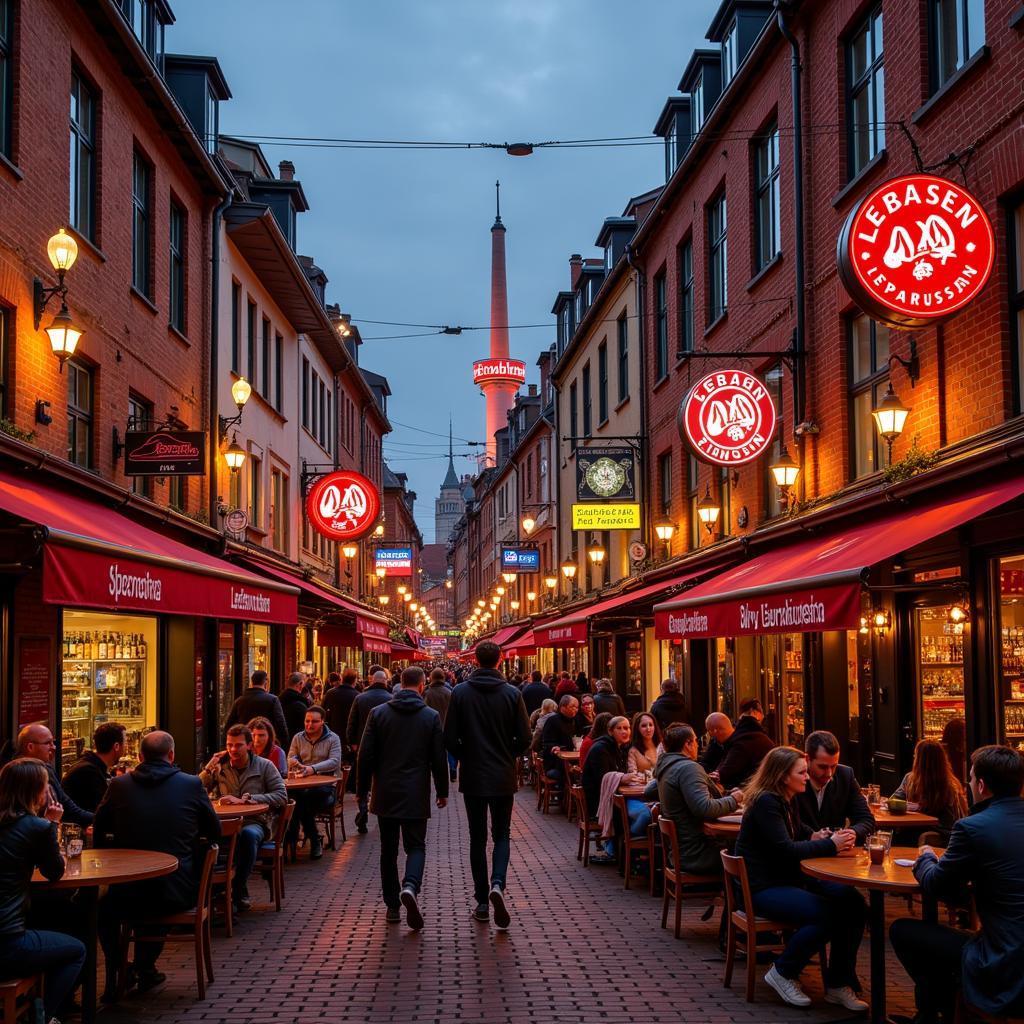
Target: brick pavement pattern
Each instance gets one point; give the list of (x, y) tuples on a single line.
[(581, 949)]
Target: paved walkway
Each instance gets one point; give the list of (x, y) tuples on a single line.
[(581, 949)]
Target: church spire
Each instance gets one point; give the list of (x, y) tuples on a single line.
[(451, 480)]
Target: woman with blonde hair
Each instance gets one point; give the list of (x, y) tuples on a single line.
[(772, 842), (931, 786)]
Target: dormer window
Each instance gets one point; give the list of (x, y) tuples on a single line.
[(609, 258), (697, 102), (579, 306), (140, 16), (211, 120), (730, 53), (591, 290)]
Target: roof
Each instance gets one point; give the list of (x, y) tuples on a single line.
[(434, 561), (451, 478), (208, 64), (672, 105), (699, 57)]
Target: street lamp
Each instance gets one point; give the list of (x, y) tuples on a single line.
[(407, 597), (380, 572), (383, 598), (349, 551), (528, 524), (63, 333), (378, 530), (569, 568), (401, 588), (531, 595), (708, 510), (499, 590), (241, 391), (508, 577), (234, 455), (514, 605), (784, 471), (551, 581), (890, 415), (596, 552)]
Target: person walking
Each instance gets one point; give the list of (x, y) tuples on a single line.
[(438, 695), (376, 693), (402, 747), (535, 692), (259, 702), (294, 704), (487, 729)]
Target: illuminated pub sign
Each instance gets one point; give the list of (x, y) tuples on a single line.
[(499, 371), (164, 453), (394, 561), (343, 506), (728, 418), (606, 516), (520, 560), (915, 250)]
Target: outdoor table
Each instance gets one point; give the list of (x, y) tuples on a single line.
[(569, 755), (311, 781), (239, 810), (912, 819), (727, 827), (878, 879), (88, 872), (632, 792)]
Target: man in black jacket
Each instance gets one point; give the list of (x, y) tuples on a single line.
[(746, 748), (606, 699), (487, 729), (294, 705), (338, 700), (535, 692), (401, 747), (670, 706), (155, 807), (376, 693), (259, 702), (557, 734), (986, 850), (37, 741), (719, 728), (832, 797), (86, 780)]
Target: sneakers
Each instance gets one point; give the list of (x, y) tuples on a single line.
[(482, 912), (789, 991), (501, 915), (413, 917), (846, 998), (393, 916)]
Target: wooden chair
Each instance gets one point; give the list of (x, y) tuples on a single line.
[(680, 885), (570, 780), (330, 816), (744, 925), (588, 827), (196, 923), (224, 870), (536, 772), (550, 791), (271, 855), (632, 846), (18, 998)]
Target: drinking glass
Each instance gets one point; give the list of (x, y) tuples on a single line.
[(885, 835), (874, 796), (876, 849), (577, 742)]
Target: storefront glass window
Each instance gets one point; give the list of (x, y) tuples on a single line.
[(671, 660), (725, 676), (256, 641), (108, 675), (940, 672), (852, 686), (1011, 622), (225, 670), (634, 667)]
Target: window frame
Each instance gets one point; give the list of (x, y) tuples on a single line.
[(774, 502), (622, 338), (177, 493), (717, 213), (573, 417), (684, 265), (255, 464), (278, 371), (586, 395), (875, 383), (250, 342), (602, 383), (938, 74), (265, 377), (142, 224), (140, 417), (730, 52), (693, 499), (82, 140), (81, 417), (236, 327), (305, 392), (870, 80), (767, 197), (279, 525), (665, 482), (660, 325), (178, 248), (7, 78)]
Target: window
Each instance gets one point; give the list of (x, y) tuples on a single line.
[(141, 224), (692, 499), (177, 269), (730, 53), (686, 297), (305, 392), (211, 121), (587, 424), (609, 258), (869, 378), (660, 327), (865, 86), (623, 340), (6, 74), (958, 33), (278, 372), (235, 489), (766, 200), (177, 493), (140, 17), (314, 403), (140, 417), (665, 482), (5, 345), (1016, 297), (775, 503), (80, 405), (602, 382), (322, 432), (266, 380), (725, 496), (250, 337), (718, 288), (236, 326), (255, 491), (697, 103), (279, 510), (573, 420), (82, 212)]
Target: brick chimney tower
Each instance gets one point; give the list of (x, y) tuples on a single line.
[(498, 377)]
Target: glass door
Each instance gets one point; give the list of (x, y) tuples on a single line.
[(940, 672)]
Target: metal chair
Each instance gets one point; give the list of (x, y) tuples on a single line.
[(680, 885)]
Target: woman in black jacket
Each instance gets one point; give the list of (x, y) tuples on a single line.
[(28, 840), (608, 753), (773, 841)]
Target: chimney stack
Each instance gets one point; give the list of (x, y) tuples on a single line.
[(531, 391), (286, 170), (575, 269)]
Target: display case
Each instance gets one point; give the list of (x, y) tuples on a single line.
[(1011, 650), (940, 670)]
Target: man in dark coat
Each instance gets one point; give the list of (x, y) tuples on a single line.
[(557, 734), (488, 730), (294, 705), (338, 701), (986, 850), (86, 780), (155, 807), (832, 797), (670, 706), (746, 748), (535, 692), (259, 702), (37, 741), (719, 728), (606, 699), (402, 746), (376, 693)]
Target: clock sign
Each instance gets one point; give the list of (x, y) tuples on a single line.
[(605, 473)]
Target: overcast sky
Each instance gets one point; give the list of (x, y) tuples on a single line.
[(405, 236)]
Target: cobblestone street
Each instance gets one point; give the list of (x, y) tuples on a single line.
[(580, 948)]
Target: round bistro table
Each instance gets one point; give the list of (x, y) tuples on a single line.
[(239, 810), (912, 819), (311, 781)]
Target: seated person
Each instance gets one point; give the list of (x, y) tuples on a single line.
[(585, 718), (599, 728), (832, 797), (557, 734), (689, 798), (610, 753), (645, 744), (537, 719), (931, 787), (28, 840), (37, 741), (86, 780), (746, 748), (986, 850), (237, 775), (264, 744), (719, 728), (772, 841), (314, 751)]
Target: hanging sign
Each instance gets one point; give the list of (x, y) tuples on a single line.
[(525, 560), (625, 516), (605, 473), (394, 561), (728, 418), (915, 250), (499, 371), (343, 506), (164, 453)]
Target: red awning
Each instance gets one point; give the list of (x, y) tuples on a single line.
[(814, 584), (522, 646), (96, 557), (572, 628), (503, 636)]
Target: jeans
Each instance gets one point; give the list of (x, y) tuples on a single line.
[(639, 817), (414, 839), (453, 764), (59, 957), (500, 808), (308, 804), (250, 839), (823, 912), (931, 955)]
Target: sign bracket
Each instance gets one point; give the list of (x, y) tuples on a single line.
[(312, 471)]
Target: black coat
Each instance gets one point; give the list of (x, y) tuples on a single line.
[(338, 701), (534, 694), (487, 729), (364, 703), (557, 731), (669, 708), (712, 756), (86, 781), (745, 749), (604, 756), (402, 746), (159, 807), (606, 701), (26, 843), (73, 814), (985, 850), (842, 802), (259, 703), (294, 706)]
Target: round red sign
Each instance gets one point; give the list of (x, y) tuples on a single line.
[(728, 418), (343, 506), (915, 250)]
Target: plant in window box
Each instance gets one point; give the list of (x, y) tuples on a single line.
[(8, 427), (917, 460)]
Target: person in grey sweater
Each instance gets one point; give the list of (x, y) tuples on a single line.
[(689, 798), (314, 751)]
